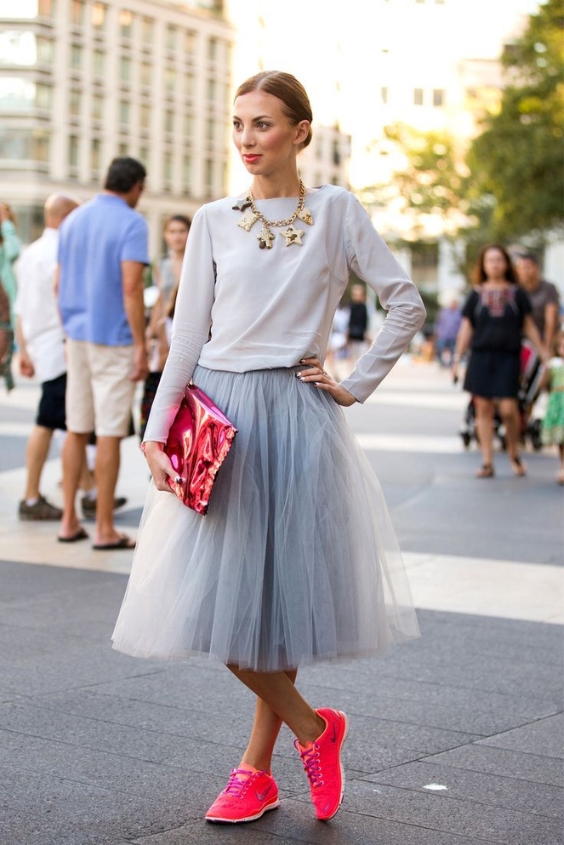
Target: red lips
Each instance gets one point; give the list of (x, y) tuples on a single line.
[(250, 159)]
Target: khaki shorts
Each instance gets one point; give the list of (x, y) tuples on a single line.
[(99, 391)]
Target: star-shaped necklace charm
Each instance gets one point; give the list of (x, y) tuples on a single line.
[(265, 238), (248, 220), (242, 204), (293, 236)]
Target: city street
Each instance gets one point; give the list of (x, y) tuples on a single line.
[(456, 738)]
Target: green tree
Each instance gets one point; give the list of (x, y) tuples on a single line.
[(517, 183)]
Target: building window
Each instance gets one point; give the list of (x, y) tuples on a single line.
[(336, 153), (189, 41), (145, 116), (169, 121), (170, 39), (20, 144), (125, 69), (76, 57), (210, 130), (43, 96), (75, 102), (144, 156), (188, 125), (418, 96), (147, 30), (98, 62), (123, 149), (146, 74), (78, 8), (99, 17), (124, 113), (95, 158), (97, 107), (187, 173), (45, 51), (212, 49), (384, 94), (438, 97), (16, 94), (17, 48), (211, 90), (208, 174), (189, 85), (167, 166), (45, 8), (125, 23), (170, 79), (73, 151), (40, 145)]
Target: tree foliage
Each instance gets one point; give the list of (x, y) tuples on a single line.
[(517, 183)]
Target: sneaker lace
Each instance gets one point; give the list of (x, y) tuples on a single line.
[(311, 764), (238, 782)]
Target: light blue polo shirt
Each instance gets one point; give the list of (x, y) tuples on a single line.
[(93, 242)]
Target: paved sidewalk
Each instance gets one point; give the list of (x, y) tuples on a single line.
[(455, 739)]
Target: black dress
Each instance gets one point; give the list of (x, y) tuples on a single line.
[(497, 319)]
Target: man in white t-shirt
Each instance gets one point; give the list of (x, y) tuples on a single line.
[(40, 338)]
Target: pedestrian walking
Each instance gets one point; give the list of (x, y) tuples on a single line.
[(494, 317), (357, 340), (543, 296), (167, 269), (41, 348), (10, 248), (103, 251), (552, 429), (296, 560), (447, 326)]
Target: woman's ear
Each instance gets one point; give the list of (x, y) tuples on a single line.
[(302, 130)]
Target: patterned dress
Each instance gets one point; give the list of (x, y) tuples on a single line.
[(552, 432)]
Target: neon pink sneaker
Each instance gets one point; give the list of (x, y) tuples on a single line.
[(322, 763), (248, 794)]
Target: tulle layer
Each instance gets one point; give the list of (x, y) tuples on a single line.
[(296, 560)]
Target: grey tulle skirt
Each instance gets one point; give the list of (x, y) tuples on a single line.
[(296, 560)]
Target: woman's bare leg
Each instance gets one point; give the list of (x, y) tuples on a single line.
[(279, 701), (484, 425), (509, 413)]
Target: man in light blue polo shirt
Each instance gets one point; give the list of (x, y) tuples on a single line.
[(103, 249)]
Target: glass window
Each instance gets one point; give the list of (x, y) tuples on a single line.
[(210, 130), (147, 30), (145, 116), (73, 151), (17, 48), (98, 62), (187, 171), (46, 8), (146, 74), (99, 16), (170, 41), (14, 144), (75, 102), (212, 49), (16, 94), (336, 153), (125, 69), (169, 121), (170, 79), (438, 97), (124, 112), (418, 96), (40, 145), (95, 148), (45, 51), (125, 23), (43, 96), (144, 156), (189, 41), (188, 125), (212, 90), (189, 84), (76, 56), (77, 11), (97, 107), (208, 173), (167, 166), (123, 149)]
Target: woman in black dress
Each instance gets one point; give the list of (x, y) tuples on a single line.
[(496, 315)]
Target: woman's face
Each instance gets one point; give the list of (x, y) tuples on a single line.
[(495, 264), (175, 236), (264, 136)]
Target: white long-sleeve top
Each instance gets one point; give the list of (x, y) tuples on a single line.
[(270, 308)]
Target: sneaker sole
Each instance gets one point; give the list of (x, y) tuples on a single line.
[(338, 807), (219, 820)]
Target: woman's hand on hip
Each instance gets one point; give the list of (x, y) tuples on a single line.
[(313, 372), (159, 464)]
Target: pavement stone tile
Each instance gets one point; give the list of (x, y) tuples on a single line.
[(207, 834), (525, 796), (545, 737), (499, 761), (435, 812)]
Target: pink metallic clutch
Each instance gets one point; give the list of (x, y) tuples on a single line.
[(198, 441)]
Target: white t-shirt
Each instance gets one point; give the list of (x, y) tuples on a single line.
[(36, 306), (269, 308)]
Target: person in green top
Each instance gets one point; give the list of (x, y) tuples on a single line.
[(10, 247)]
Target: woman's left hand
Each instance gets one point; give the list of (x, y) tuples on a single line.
[(314, 372)]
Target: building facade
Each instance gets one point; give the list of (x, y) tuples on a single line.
[(82, 81)]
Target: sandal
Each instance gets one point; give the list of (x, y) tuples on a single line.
[(517, 466), (485, 471)]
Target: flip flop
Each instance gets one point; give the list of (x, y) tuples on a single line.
[(124, 542), (81, 534)]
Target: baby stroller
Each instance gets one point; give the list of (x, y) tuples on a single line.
[(530, 376)]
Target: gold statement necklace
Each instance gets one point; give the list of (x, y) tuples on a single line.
[(266, 235)]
